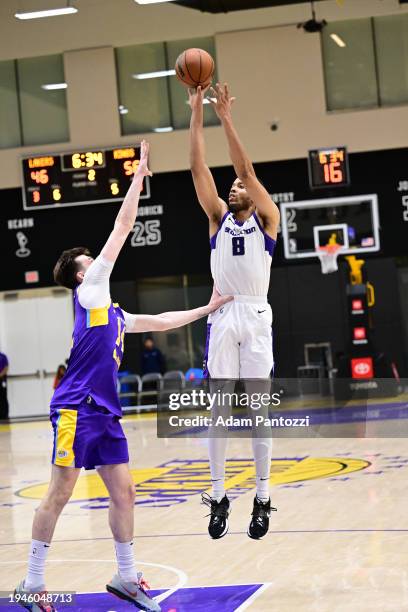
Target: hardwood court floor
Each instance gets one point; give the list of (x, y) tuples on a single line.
[(338, 542)]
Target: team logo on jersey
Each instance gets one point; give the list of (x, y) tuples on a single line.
[(62, 453), (240, 231)]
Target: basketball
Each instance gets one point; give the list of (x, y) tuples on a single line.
[(195, 67)]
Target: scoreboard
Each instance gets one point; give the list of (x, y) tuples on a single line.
[(328, 168), (90, 176)]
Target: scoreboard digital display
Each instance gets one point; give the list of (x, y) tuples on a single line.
[(328, 168), (82, 177)]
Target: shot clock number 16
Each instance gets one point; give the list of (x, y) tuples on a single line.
[(328, 168)]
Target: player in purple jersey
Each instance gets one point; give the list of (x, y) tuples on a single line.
[(85, 408)]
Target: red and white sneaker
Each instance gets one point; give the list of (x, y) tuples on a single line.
[(134, 592), (38, 603)]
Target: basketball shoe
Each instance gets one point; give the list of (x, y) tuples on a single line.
[(133, 592), (218, 525), (38, 606), (259, 524)]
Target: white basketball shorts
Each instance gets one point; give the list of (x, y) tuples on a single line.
[(239, 340)]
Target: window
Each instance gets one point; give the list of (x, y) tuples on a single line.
[(145, 102), (391, 40), (350, 72), (160, 102), (10, 135), (366, 62), (29, 113), (44, 114)]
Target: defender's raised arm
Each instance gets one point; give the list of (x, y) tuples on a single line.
[(204, 183), (266, 207), (94, 275), (126, 217)]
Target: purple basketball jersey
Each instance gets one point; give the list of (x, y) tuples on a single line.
[(96, 354)]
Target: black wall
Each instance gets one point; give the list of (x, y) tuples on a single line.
[(184, 248), (311, 307), (308, 307)]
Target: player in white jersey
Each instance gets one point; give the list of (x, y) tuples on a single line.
[(239, 335)]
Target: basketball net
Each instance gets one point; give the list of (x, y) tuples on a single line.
[(328, 257)]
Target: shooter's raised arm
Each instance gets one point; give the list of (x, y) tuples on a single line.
[(266, 207), (204, 184)]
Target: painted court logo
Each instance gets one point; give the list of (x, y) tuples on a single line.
[(178, 480)]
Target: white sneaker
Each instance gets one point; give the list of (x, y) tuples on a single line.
[(134, 592), (36, 606)]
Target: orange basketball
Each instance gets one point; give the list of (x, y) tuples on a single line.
[(195, 67)]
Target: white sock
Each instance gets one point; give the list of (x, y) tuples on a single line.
[(262, 448), (126, 561), (36, 565), (217, 448), (217, 445)]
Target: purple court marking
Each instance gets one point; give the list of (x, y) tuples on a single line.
[(200, 599)]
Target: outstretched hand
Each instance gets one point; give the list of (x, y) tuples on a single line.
[(218, 300), (221, 101), (196, 97), (142, 169)]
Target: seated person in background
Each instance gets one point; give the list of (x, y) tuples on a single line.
[(152, 359)]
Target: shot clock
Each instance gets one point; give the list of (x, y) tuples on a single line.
[(82, 177), (328, 168)]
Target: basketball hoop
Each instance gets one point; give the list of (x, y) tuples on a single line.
[(328, 257)]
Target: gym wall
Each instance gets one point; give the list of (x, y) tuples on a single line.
[(258, 78)]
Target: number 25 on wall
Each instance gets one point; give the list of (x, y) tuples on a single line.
[(146, 234)]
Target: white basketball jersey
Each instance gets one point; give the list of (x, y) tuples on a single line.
[(241, 257)]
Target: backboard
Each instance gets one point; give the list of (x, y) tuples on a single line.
[(351, 222)]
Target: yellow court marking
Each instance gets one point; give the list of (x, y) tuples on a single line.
[(90, 486), (186, 477)]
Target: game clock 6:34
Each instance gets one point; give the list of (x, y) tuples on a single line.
[(80, 177), (85, 159)]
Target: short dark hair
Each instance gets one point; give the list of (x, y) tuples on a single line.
[(66, 268)]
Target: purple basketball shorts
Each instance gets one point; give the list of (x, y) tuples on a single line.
[(87, 436)]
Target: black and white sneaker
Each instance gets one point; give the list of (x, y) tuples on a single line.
[(218, 525), (259, 525)]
